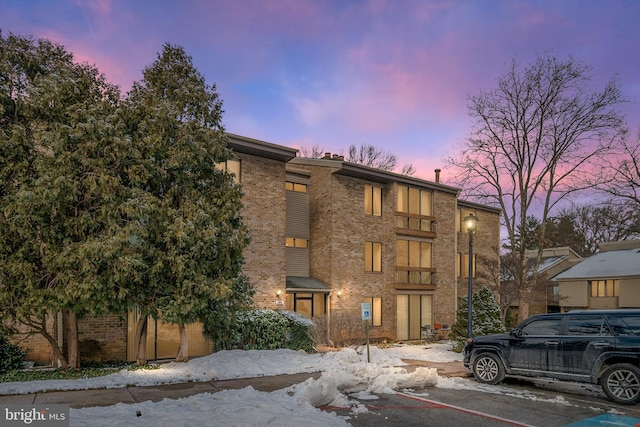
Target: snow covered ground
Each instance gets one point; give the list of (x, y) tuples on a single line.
[(343, 372)]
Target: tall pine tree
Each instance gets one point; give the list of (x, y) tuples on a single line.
[(60, 153), (185, 229)]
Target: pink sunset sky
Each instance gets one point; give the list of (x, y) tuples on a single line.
[(395, 74)]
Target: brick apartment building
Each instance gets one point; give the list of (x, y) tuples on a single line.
[(327, 235)]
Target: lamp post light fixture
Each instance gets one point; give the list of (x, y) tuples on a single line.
[(471, 223)]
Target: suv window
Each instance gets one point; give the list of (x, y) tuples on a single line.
[(588, 325), (548, 326), (627, 325)]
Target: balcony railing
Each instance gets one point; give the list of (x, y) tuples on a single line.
[(414, 222), (414, 275)]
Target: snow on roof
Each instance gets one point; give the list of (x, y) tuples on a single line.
[(605, 265)]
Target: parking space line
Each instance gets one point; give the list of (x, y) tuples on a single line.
[(468, 411)]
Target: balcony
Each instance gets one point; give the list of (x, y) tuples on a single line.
[(415, 278), (415, 225)]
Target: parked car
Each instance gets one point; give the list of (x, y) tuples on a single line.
[(591, 346)]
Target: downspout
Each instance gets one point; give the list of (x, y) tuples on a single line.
[(455, 255), (60, 338)]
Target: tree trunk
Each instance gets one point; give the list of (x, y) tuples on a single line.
[(523, 308), (141, 341), (72, 341), (39, 326), (183, 350)]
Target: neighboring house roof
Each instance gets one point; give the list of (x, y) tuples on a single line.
[(605, 265), (552, 259)]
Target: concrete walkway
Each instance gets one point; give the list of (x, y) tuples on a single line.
[(134, 394)]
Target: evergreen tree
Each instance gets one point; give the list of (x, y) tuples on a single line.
[(485, 318), (59, 156), (185, 230)]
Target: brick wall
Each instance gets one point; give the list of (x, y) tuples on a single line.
[(486, 242), (103, 338), (444, 258), (37, 347), (263, 212)]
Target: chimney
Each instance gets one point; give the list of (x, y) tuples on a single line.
[(336, 157), (327, 156), (437, 176)]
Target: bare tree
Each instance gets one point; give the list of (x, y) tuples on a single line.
[(373, 157), (585, 227), (495, 275), (536, 137), (623, 180), (314, 152), (366, 155)]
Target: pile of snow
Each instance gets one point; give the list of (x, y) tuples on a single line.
[(343, 372)]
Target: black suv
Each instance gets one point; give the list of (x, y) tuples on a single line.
[(592, 346)]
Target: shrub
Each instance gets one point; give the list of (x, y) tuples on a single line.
[(299, 331), (344, 329), (268, 330), (261, 330), (485, 318), (11, 356)]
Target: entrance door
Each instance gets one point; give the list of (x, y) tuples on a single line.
[(308, 304), (413, 311)]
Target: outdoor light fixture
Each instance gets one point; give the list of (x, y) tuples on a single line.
[(339, 294), (471, 223), (278, 293)]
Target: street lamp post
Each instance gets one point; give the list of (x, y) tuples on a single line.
[(471, 222)]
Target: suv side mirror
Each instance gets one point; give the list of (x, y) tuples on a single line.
[(515, 333)]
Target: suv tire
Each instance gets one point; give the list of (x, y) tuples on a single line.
[(621, 383), (488, 368)]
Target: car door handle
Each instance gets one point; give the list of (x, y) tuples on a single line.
[(601, 344), (552, 342)]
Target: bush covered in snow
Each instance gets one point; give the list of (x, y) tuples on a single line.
[(485, 318), (269, 330)]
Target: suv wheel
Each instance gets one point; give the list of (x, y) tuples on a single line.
[(621, 383), (488, 368)]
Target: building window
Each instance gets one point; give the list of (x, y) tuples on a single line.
[(413, 262), (372, 256), (294, 186), (463, 265), (414, 201), (376, 310), (605, 288), (413, 209), (296, 242), (231, 166), (372, 200)]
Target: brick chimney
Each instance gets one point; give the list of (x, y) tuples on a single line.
[(437, 176)]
